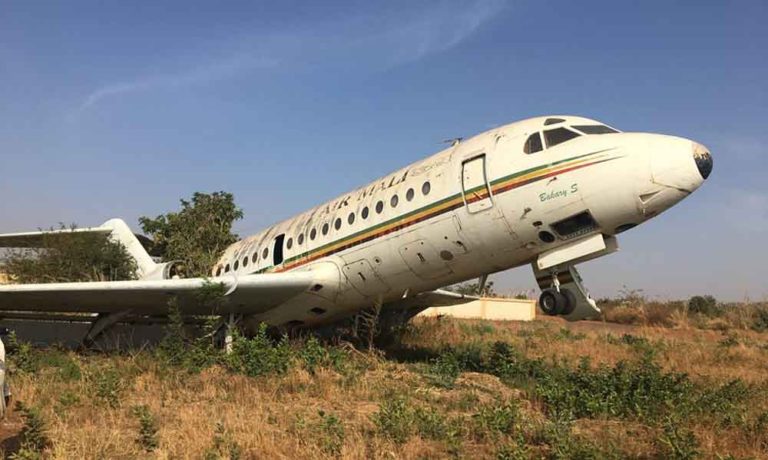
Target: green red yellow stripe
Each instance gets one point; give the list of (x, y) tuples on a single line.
[(497, 186)]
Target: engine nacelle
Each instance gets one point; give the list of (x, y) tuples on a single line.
[(166, 271)]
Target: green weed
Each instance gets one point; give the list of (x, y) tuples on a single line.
[(147, 438)]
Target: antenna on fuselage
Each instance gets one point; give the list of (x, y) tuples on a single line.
[(454, 142)]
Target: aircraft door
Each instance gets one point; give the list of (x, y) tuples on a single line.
[(474, 185), (277, 251)]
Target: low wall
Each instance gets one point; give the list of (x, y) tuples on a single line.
[(491, 308)]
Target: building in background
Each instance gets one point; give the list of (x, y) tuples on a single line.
[(491, 308)]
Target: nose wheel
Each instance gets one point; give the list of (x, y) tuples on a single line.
[(553, 302)]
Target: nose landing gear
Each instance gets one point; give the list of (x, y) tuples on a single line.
[(554, 302), (562, 294)]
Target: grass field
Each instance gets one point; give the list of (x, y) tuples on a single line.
[(451, 388)]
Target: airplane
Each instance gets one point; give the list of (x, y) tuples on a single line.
[(550, 192)]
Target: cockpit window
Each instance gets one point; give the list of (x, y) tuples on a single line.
[(558, 136), (533, 144), (553, 121), (595, 129)]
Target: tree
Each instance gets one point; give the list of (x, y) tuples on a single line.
[(196, 235), (71, 257)]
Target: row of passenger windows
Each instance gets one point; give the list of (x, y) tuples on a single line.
[(557, 136), (337, 224)]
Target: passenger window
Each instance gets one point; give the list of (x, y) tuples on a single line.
[(227, 268), (245, 261), (351, 218), (337, 224), (409, 194), (426, 188), (533, 144), (558, 136), (312, 234), (364, 213), (379, 207), (255, 256), (237, 264), (393, 201), (264, 253), (301, 238), (325, 228), (218, 271), (289, 244)]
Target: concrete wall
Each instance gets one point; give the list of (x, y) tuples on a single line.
[(492, 308)]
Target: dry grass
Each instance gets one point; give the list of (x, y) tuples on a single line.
[(218, 414)]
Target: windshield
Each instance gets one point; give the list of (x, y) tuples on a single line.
[(595, 129), (558, 136)]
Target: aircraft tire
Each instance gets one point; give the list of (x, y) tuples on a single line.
[(570, 302), (552, 302)]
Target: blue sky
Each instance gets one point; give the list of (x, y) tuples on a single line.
[(114, 108)]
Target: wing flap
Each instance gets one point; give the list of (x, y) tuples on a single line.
[(436, 298), (246, 294)]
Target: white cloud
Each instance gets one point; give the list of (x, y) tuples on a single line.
[(363, 40), (214, 71)]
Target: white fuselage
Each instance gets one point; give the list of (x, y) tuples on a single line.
[(480, 206)]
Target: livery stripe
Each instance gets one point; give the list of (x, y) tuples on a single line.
[(497, 186)]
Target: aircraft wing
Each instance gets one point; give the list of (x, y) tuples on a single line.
[(246, 294), (436, 298), (37, 239)]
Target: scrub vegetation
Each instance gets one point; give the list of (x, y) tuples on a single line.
[(701, 312), (450, 388), (78, 257)]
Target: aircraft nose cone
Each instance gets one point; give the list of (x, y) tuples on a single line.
[(703, 160)]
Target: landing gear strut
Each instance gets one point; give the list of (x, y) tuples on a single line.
[(562, 293)]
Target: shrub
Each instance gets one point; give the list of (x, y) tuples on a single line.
[(444, 370), (23, 357), (760, 319), (332, 431), (395, 419), (493, 420), (147, 438), (258, 355), (677, 442), (313, 354), (34, 434), (223, 445), (178, 349), (107, 386), (705, 305)]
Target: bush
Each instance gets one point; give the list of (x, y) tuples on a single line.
[(147, 438), (395, 419), (760, 319), (332, 433), (677, 442), (705, 305), (444, 370), (223, 445), (107, 386), (34, 434), (258, 355), (493, 420), (78, 257)]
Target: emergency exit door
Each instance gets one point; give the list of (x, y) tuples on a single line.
[(474, 184)]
